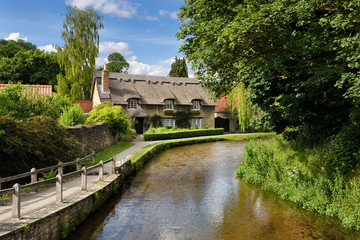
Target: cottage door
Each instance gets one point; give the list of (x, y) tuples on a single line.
[(139, 125)]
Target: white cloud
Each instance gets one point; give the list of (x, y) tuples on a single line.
[(132, 58), (100, 62), (15, 37), (168, 62), (172, 15), (143, 68), (47, 48), (110, 47), (120, 8), (151, 18)]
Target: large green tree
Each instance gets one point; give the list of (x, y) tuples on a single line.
[(298, 59), (8, 48), (30, 67), (117, 63), (81, 37), (179, 68)]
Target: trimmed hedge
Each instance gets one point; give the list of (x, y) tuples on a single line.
[(183, 134)]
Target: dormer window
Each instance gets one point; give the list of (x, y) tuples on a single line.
[(132, 104), (195, 105), (169, 105)]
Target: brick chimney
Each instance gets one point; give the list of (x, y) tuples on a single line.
[(105, 80)]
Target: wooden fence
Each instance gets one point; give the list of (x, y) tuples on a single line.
[(59, 180)]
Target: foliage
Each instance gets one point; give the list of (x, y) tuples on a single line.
[(117, 63), (182, 119), (299, 60), (48, 175), (72, 116), (114, 116), (238, 104), (30, 67), (156, 120), (179, 68), (345, 148), (298, 174), (21, 103), (172, 134), (36, 142), (77, 57), (8, 48)]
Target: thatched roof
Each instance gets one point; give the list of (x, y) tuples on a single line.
[(140, 113), (153, 90)]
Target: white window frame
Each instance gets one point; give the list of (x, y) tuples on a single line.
[(195, 121), (169, 105), (195, 105), (132, 104), (168, 122)]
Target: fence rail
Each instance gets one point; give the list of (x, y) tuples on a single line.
[(59, 180), (33, 173)]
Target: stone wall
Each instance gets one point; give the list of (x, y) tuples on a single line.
[(95, 136)]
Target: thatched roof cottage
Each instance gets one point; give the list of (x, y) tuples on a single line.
[(144, 96)]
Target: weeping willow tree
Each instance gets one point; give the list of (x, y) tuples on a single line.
[(77, 57), (238, 105)]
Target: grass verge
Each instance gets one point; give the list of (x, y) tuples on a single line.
[(108, 153)]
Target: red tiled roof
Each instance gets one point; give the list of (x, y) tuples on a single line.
[(42, 89), (222, 104)]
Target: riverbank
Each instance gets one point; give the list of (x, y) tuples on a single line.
[(299, 175)]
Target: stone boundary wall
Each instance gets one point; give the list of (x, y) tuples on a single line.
[(95, 136)]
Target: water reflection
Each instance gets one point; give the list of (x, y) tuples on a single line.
[(191, 193)]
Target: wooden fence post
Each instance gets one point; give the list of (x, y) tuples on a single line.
[(77, 164), (60, 168), (16, 201), (59, 188), (84, 179), (33, 179), (113, 166), (101, 171), (93, 158)]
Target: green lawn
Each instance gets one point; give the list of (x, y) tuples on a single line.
[(109, 152)]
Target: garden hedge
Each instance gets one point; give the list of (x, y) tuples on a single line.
[(183, 134)]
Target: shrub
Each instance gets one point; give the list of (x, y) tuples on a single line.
[(182, 119), (72, 116), (36, 142), (114, 116), (345, 148), (156, 121)]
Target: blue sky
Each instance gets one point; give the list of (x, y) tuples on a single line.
[(143, 31)]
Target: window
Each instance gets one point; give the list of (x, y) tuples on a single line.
[(195, 121), (195, 105), (168, 122), (169, 105), (132, 104)]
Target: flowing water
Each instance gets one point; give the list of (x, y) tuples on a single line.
[(191, 192)]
